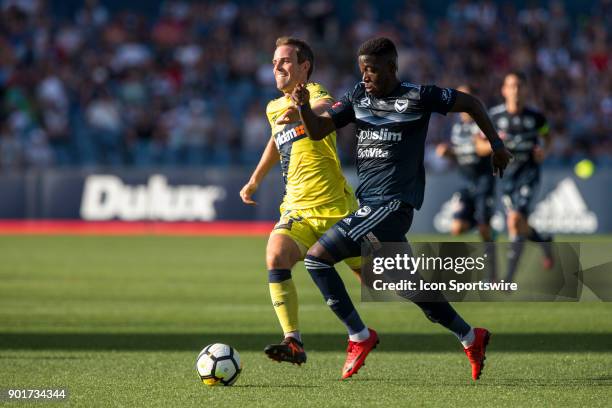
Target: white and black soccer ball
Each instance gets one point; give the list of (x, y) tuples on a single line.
[(218, 364)]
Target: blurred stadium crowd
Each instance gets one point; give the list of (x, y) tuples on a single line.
[(188, 86)]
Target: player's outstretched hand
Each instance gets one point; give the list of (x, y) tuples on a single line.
[(247, 192), (500, 160), (290, 116), (300, 95)]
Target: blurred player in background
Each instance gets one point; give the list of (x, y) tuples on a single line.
[(525, 132), (474, 204), (391, 120), (316, 193)]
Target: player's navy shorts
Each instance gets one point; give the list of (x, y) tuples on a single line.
[(372, 224), (519, 189), (475, 203)]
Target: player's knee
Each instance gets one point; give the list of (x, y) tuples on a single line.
[(318, 251), (485, 231), (276, 259), (515, 221), (457, 227)]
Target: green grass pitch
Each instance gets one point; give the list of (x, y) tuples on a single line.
[(120, 320)]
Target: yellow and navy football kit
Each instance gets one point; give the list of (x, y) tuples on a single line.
[(317, 194)]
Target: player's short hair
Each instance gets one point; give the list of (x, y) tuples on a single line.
[(379, 47), (519, 74), (303, 50)]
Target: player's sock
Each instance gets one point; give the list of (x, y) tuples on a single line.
[(544, 241), (468, 339), (331, 286), (285, 300), (514, 255), (294, 334), (363, 335), (447, 316)]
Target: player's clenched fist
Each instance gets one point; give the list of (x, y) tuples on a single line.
[(500, 160), (300, 95)]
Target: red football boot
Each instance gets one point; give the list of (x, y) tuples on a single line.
[(476, 352), (357, 353)]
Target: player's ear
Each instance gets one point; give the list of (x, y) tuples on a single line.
[(306, 67)]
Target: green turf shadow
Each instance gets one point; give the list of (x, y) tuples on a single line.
[(418, 343)]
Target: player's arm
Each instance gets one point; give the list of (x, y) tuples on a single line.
[(474, 107), (317, 126), (293, 114), (269, 158)]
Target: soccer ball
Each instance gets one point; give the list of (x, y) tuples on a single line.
[(218, 364)]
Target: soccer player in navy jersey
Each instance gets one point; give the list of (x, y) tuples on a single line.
[(391, 119), (526, 133)]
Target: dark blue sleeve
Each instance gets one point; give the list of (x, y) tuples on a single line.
[(435, 99), (342, 112)]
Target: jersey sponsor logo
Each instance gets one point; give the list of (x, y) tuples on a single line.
[(288, 135), (401, 105), (372, 153), (446, 95), (384, 135), (106, 197), (363, 211), (365, 102), (331, 301), (347, 221), (564, 210)]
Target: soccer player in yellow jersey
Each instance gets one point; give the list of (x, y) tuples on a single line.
[(316, 193)]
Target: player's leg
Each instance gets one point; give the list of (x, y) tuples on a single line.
[(531, 181), (463, 210), (319, 262), (459, 227), (519, 203), (484, 208), (545, 244), (343, 241), (285, 248), (531, 233), (355, 265), (393, 228), (282, 253), (517, 234)]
